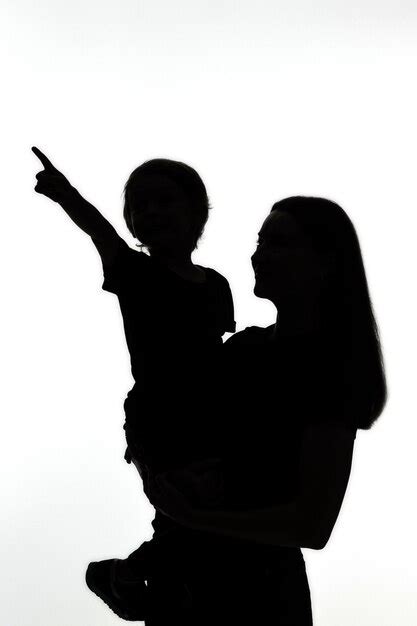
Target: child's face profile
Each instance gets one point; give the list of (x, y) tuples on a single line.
[(160, 213)]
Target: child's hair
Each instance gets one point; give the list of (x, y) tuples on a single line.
[(189, 181)]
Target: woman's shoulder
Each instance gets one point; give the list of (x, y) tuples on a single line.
[(251, 335), (214, 275)]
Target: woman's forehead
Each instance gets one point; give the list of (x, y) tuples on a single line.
[(280, 222)]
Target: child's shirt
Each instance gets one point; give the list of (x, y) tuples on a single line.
[(173, 330)]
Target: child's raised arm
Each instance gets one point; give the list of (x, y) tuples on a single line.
[(53, 184)]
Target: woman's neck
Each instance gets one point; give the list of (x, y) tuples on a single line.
[(295, 319)]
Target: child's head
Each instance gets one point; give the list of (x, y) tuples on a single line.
[(166, 205)]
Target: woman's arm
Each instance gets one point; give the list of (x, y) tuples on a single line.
[(280, 525), (325, 463)]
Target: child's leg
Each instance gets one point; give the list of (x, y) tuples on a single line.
[(156, 553)]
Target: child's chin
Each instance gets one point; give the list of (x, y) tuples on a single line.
[(167, 243), (162, 246), (157, 242)]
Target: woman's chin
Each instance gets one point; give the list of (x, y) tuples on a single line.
[(259, 290)]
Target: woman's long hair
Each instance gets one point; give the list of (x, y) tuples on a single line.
[(349, 330)]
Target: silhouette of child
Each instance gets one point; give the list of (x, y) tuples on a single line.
[(174, 315)]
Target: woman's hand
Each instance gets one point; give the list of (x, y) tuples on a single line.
[(51, 182)]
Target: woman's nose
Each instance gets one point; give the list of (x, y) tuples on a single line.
[(258, 255), (255, 257)]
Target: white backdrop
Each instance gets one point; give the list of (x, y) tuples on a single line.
[(265, 100)]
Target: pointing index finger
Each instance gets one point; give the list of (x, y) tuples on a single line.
[(43, 159)]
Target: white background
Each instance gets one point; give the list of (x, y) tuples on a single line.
[(265, 100)]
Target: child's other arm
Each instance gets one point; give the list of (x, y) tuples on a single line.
[(53, 184), (201, 482)]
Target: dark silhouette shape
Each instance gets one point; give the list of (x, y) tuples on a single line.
[(174, 315), (294, 395), (346, 317), (185, 177), (279, 406)]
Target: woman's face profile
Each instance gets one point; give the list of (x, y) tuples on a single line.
[(160, 212), (284, 262)]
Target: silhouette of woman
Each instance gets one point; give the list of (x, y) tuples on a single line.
[(294, 395)]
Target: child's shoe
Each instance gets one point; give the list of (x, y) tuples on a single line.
[(123, 589)]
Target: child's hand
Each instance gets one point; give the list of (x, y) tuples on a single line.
[(168, 499), (201, 482), (51, 182)]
